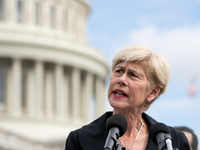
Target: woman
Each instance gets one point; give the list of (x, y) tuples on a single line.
[(138, 77)]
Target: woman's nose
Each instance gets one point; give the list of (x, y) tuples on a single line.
[(123, 80)]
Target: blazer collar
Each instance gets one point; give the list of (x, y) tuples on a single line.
[(93, 136)]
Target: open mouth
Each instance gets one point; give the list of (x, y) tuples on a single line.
[(118, 93)]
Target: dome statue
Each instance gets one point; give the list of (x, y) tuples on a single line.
[(50, 76)]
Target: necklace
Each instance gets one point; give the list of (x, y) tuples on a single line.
[(135, 138)]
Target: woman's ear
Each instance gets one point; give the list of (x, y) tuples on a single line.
[(154, 93)]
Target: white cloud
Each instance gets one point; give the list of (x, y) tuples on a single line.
[(181, 46)]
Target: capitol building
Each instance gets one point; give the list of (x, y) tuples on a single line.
[(51, 79)]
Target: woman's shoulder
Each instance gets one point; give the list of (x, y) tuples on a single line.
[(148, 119), (178, 138), (93, 134), (97, 123)]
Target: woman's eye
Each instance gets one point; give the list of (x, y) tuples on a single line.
[(118, 71), (132, 74)]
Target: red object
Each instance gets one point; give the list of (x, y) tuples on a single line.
[(192, 90)]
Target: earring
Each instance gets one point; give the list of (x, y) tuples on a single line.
[(148, 100)]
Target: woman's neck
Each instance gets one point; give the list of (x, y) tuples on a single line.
[(134, 121)]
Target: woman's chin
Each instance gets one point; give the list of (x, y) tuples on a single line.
[(117, 105)]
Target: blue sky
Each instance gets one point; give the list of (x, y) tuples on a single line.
[(169, 27)]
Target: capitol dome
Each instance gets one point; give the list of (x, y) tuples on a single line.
[(49, 74)]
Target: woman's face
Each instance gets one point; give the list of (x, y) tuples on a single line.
[(128, 88)]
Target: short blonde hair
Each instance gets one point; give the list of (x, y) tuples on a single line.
[(155, 66)]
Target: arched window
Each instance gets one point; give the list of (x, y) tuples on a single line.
[(20, 12), (52, 17), (65, 21), (4, 64), (37, 13), (1, 10), (2, 89)]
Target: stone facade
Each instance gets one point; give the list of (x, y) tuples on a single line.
[(49, 74)]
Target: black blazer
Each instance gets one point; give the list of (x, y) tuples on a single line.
[(93, 136)]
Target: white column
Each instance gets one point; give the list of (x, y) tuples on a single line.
[(82, 27), (100, 96), (59, 88), (83, 33), (30, 93), (75, 24), (64, 18), (49, 94), (13, 89), (87, 96), (78, 26), (39, 69), (17, 88), (29, 10), (10, 11), (76, 84), (45, 14)]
